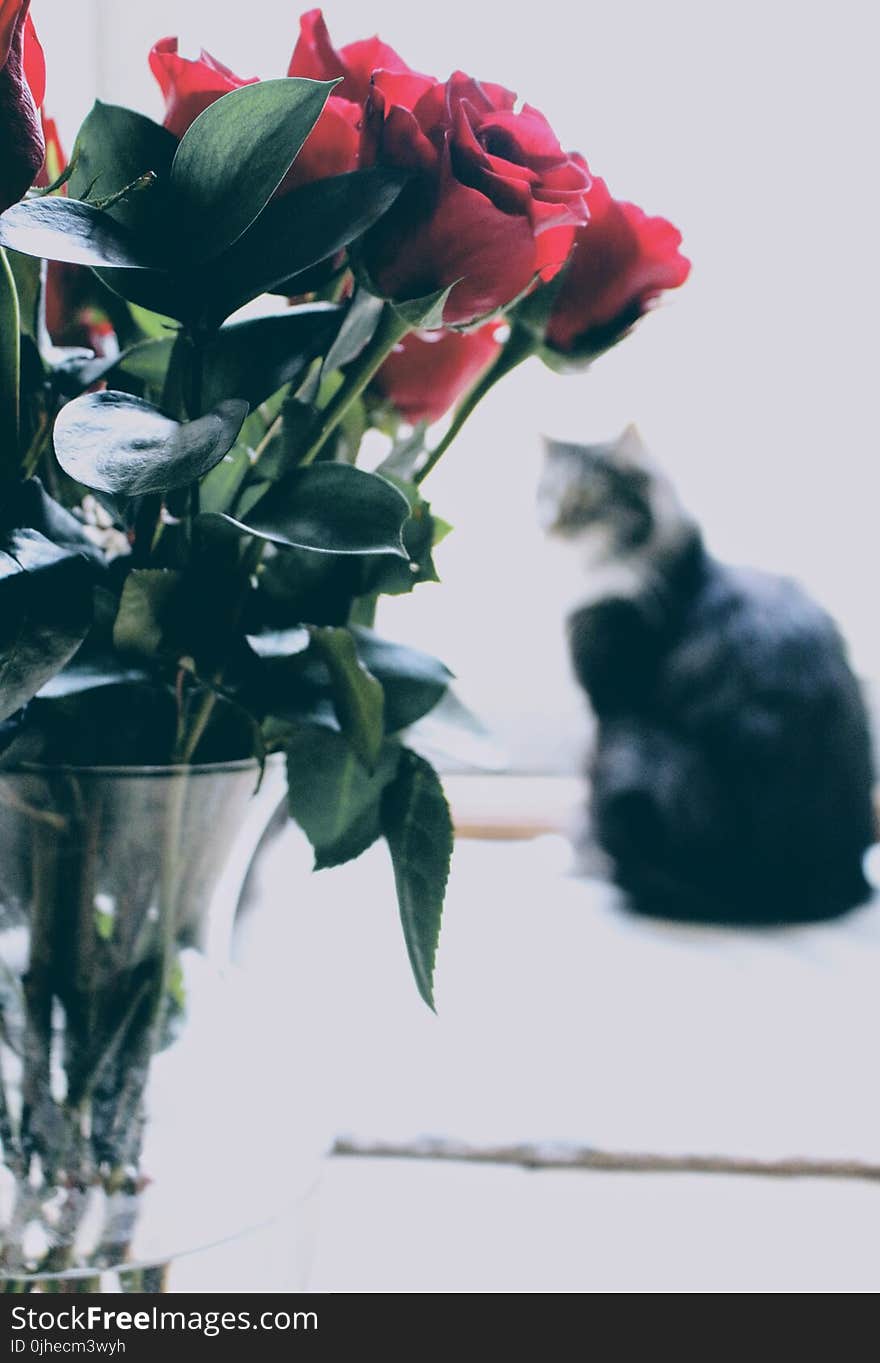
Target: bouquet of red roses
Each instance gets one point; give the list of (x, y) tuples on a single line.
[(191, 556)]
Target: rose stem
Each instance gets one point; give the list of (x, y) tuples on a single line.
[(10, 361), (390, 331), (520, 346)]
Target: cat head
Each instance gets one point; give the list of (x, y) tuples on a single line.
[(610, 496)]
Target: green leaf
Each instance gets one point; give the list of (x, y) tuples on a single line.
[(413, 682), (331, 795), (26, 271), (234, 156), (152, 325), (406, 454), (358, 698), (92, 672), (330, 509), (146, 360), (10, 365), (297, 231), (45, 613), (113, 148), (115, 443), (29, 506), (141, 622), (254, 359), (426, 312), (392, 576), (361, 320), (73, 232), (418, 828), (157, 291)]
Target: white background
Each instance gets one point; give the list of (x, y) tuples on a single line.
[(753, 128)]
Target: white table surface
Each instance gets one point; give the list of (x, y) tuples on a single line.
[(561, 1018)]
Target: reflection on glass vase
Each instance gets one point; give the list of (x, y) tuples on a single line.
[(137, 1113)]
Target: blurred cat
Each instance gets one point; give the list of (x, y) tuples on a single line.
[(732, 775)]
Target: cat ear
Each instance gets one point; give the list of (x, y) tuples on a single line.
[(630, 448), (562, 449)]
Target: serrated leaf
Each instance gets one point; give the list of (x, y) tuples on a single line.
[(118, 444), (234, 156), (141, 621), (297, 231), (393, 577), (73, 232), (331, 795), (330, 509), (358, 698), (418, 829), (45, 613)]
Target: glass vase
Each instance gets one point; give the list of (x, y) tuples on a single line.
[(143, 1133)]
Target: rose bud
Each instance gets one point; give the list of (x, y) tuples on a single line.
[(621, 261), (493, 202), (22, 88), (428, 371)]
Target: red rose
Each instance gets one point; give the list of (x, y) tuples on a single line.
[(333, 145), (620, 263), (493, 203), (315, 57), (55, 159), (190, 86), (429, 370), (22, 88)]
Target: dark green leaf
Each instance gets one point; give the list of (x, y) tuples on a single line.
[(147, 596), (10, 370), (115, 443), (392, 576), (361, 320), (146, 360), (418, 827), (424, 312), (156, 290), (254, 359), (92, 672), (45, 612), (26, 271), (406, 454), (413, 682), (28, 505), (331, 796), (234, 156), (77, 233), (358, 698), (330, 509), (114, 147), (297, 231)]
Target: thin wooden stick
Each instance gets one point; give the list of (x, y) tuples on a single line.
[(528, 1156)]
